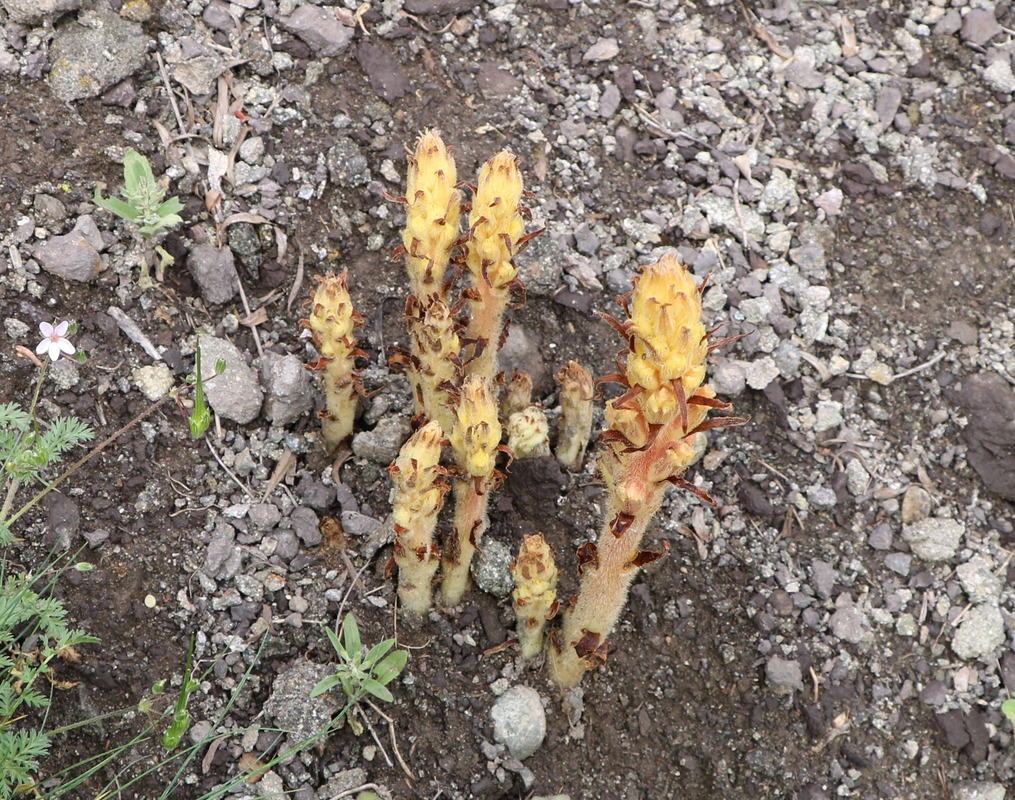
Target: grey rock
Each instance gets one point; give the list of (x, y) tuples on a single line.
[(950, 23), (347, 165), (729, 378), (785, 676), (979, 634), (270, 785), (609, 101), (92, 53), (978, 579), (264, 516), (29, 12), (50, 207), (220, 548), (888, 103), (828, 415), (849, 624), (200, 73), (154, 381), (85, 225), (291, 706), (979, 26), (214, 272), (320, 28), (70, 257), (811, 259), (356, 524), (519, 721), (979, 790), (899, 563), (935, 693), (63, 520), (880, 538), (999, 75), (342, 783), (381, 445), (823, 576), (491, 569), (286, 545), (306, 526), (857, 477), (934, 538), (287, 388), (756, 310), (761, 372), (821, 498), (586, 242), (602, 49), (801, 69), (236, 393)]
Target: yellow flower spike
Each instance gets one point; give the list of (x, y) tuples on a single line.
[(654, 432), (417, 496), (496, 229), (528, 433), (576, 392), (434, 366), (535, 592), (475, 441), (332, 320), (434, 209)]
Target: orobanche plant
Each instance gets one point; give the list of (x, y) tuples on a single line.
[(146, 207)]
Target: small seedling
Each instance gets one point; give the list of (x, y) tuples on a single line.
[(181, 717), (1008, 709), (145, 206), (199, 418), (360, 672)]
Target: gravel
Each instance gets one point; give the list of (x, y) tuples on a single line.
[(519, 721)]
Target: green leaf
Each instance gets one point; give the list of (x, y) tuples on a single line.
[(377, 652), (377, 690), (336, 643), (137, 172), (391, 667), (325, 685), (174, 733), (170, 208), (116, 206), (350, 634), (220, 366)]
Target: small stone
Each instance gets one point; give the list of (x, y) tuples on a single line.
[(899, 563), (761, 372), (729, 378), (979, 790), (293, 709), (916, 505), (824, 577), (491, 569), (29, 12), (934, 538), (236, 393), (880, 373), (219, 551), (979, 26), (519, 721), (785, 676), (857, 478), (602, 50), (287, 386), (270, 784), (264, 516), (70, 257), (347, 165), (356, 524), (320, 28), (828, 416), (214, 272), (850, 625), (306, 526), (999, 75), (756, 310), (154, 381), (979, 634), (935, 693), (821, 498), (978, 579), (381, 445), (881, 537)]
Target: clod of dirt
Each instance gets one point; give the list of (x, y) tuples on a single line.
[(989, 404)]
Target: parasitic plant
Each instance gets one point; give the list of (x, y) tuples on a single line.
[(496, 235), (528, 433), (575, 414), (475, 442), (332, 320), (517, 394), (417, 497), (650, 441), (535, 593)]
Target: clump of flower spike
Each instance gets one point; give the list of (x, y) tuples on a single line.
[(332, 321), (475, 442), (433, 360), (535, 593), (528, 433), (417, 497), (575, 427), (496, 235), (652, 430), (433, 210)]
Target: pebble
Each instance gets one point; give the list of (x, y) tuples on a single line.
[(899, 563), (220, 550), (70, 257), (979, 634), (236, 393), (979, 790), (849, 624), (519, 721), (381, 445), (979, 26), (356, 524), (291, 706), (916, 505), (287, 388), (306, 526), (320, 28), (857, 478), (827, 416), (154, 381), (978, 579), (934, 538), (999, 75), (784, 675), (761, 372), (214, 272), (491, 568), (30, 12)]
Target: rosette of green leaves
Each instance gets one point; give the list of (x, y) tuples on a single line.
[(144, 204), (359, 671)]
